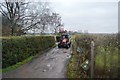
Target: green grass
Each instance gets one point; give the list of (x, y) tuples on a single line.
[(72, 38), (100, 58), (72, 68)]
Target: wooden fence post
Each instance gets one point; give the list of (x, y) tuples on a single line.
[(92, 60)]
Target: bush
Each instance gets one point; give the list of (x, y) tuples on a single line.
[(58, 38), (17, 49), (106, 56)]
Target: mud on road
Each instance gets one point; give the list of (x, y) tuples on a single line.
[(51, 64)]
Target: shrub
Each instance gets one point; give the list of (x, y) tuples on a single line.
[(17, 49), (58, 38)]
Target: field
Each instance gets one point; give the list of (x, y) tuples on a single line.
[(106, 58)]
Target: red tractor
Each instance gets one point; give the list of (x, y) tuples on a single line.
[(64, 41)]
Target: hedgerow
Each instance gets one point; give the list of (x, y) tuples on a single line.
[(106, 56), (17, 49)]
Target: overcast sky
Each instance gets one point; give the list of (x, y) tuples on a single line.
[(95, 16)]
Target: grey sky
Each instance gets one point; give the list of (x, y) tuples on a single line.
[(93, 16)]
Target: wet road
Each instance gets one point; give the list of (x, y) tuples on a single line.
[(51, 64)]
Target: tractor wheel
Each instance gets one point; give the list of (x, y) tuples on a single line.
[(59, 46), (67, 46)]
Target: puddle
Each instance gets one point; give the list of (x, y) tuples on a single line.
[(68, 56), (44, 70), (48, 65), (71, 52), (64, 51), (52, 58)]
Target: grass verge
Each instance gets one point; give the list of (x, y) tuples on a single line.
[(16, 65), (72, 68), (72, 65)]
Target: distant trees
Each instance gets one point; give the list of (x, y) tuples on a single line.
[(5, 29), (38, 17), (56, 22), (25, 16), (12, 13)]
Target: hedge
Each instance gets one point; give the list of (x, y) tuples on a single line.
[(17, 49), (58, 38)]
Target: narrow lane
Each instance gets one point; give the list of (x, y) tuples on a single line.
[(51, 64)]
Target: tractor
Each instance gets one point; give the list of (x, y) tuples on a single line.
[(64, 41)]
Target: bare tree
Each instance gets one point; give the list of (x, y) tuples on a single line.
[(40, 17), (55, 22), (11, 10), (30, 16), (27, 15)]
